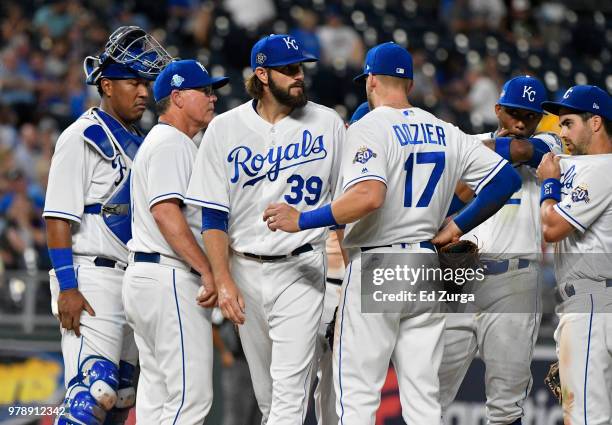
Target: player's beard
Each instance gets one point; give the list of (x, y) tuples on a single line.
[(284, 97)]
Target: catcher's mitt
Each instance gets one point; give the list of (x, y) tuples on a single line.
[(553, 381), (462, 254), (329, 331)]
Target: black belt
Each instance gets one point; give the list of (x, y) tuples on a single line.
[(106, 262), (424, 244), (155, 257), (300, 250)]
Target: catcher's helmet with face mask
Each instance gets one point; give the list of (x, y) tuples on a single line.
[(129, 53)]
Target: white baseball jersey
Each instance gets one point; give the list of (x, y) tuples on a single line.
[(244, 163), (419, 158), (497, 237), (79, 176), (161, 171), (586, 203)]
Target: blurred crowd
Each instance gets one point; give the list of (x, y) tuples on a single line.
[(463, 51)]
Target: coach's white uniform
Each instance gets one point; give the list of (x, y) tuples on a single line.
[(81, 176), (420, 159), (510, 245), (584, 275), (245, 163), (173, 333)]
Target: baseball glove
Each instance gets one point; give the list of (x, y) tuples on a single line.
[(329, 331), (553, 381), (462, 254)]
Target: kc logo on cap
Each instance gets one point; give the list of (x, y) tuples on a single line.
[(529, 93), (524, 92), (278, 50)]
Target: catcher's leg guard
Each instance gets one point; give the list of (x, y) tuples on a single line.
[(80, 408), (126, 395), (102, 378)]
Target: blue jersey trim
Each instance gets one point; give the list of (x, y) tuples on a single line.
[(348, 281), (572, 220), (52, 213), (513, 201), (206, 204), (367, 177), (165, 196), (178, 312), (489, 174), (586, 367)]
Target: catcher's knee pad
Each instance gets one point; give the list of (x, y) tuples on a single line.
[(102, 378), (80, 408), (126, 393)]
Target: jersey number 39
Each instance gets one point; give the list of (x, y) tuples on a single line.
[(436, 158), (312, 187)]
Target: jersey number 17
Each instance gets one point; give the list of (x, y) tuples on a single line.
[(436, 158)]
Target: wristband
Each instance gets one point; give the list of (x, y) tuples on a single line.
[(61, 259), (321, 217), (551, 189), (502, 147)]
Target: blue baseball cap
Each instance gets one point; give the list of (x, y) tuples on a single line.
[(278, 50), (387, 59), (523, 92), (583, 98), (183, 75), (360, 112)]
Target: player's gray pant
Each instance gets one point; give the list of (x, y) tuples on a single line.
[(504, 332), (174, 338), (284, 303), (584, 347)]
